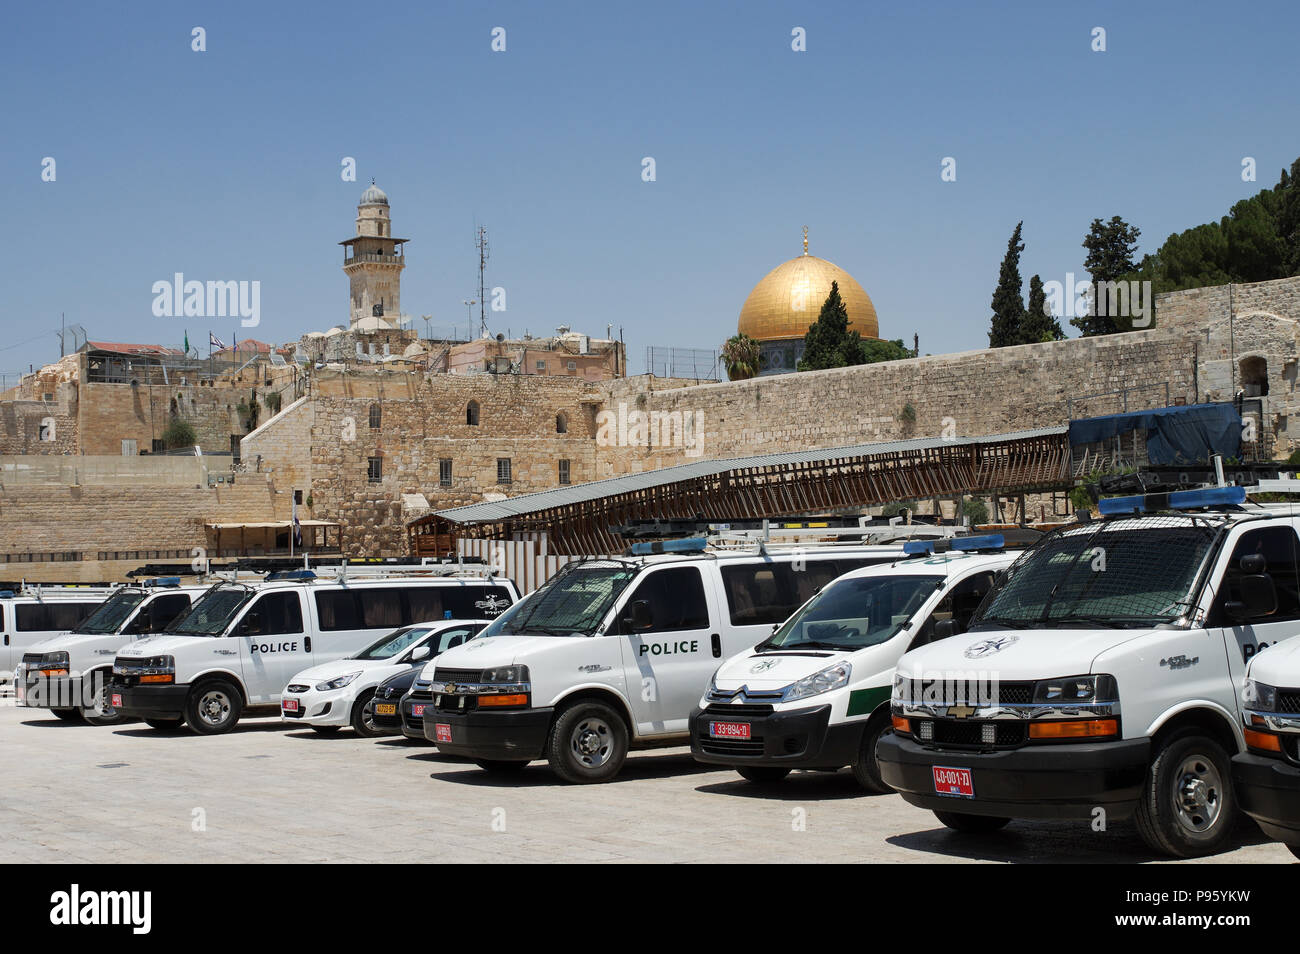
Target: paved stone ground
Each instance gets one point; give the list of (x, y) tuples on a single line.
[(129, 794)]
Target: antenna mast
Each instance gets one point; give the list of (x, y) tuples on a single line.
[(481, 243)]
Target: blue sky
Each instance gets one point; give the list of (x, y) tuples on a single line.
[(224, 165)]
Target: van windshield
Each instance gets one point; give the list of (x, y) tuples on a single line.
[(854, 613), (571, 603), (1124, 573), (112, 613), (213, 611)]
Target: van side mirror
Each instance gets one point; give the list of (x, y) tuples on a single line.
[(1258, 596), (637, 616), (944, 628), (420, 653)]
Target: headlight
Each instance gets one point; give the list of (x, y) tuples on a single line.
[(901, 683), (832, 677), (1259, 695), (52, 664), (512, 675), (338, 683), (1076, 690)]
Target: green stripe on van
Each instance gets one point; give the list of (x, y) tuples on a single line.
[(864, 701)]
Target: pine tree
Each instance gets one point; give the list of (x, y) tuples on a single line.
[(1008, 305), (1039, 325), (1110, 248), (829, 343)]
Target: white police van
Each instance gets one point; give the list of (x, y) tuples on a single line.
[(1267, 774), (33, 614), (242, 643), (815, 694), (69, 673), (335, 694), (612, 654), (1101, 678)]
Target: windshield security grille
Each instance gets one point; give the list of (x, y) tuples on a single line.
[(1122, 572)]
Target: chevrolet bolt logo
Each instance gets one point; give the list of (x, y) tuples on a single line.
[(450, 688), (961, 712)]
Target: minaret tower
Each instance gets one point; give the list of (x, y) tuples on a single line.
[(373, 261)]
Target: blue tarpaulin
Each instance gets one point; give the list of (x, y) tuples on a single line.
[(1175, 435)]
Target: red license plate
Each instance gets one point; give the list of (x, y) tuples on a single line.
[(442, 732), (729, 730), (417, 710), (290, 705), (117, 700), (953, 781)]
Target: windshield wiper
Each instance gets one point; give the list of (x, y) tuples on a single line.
[(810, 643), (1006, 621)]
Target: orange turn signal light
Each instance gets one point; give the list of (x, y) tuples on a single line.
[(159, 677), (53, 672), (901, 724), (1264, 741), (1074, 729), (515, 700)]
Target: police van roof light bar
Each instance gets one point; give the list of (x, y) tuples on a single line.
[(1177, 500), (685, 545), (988, 541)]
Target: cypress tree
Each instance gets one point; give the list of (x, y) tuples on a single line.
[(1008, 303), (1039, 325)]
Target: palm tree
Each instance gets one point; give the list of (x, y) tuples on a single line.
[(740, 354)]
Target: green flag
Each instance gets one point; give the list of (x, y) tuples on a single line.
[(187, 341)]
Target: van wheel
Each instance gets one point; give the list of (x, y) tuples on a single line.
[(363, 718), (1188, 806), (498, 767), (588, 743), (1294, 849), (762, 773), (971, 824), (865, 767), (102, 712), (68, 715), (164, 725), (213, 707)]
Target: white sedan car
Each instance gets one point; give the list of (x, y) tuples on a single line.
[(334, 694)]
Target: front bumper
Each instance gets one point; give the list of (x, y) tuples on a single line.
[(1062, 781), (317, 708), (1268, 790), (48, 692), (150, 702), (508, 735), (795, 738), (390, 722), (412, 724)]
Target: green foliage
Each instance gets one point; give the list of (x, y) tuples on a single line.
[(1258, 240), (830, 344), (740, 355), (250, 411), (309, 501), (273, 402), (1008, 303), (976, 509), (1111, 246), (179, 433), (897, 507), (1294, 458), (1038, 324)]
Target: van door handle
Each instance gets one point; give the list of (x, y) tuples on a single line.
[(306, 643), (717, 645)]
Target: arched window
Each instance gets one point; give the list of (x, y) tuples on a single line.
[(1254, 376), (471, 414), (561, 423)]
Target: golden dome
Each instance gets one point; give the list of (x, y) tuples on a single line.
[(790, 296)]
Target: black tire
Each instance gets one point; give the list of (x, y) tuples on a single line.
[(213, 707), (105, 714), (498, 767), (363, 717), (68, 715), (865, 767), (1188, 807), (165, 725), (325, 729), (1294, 849), (971, 824), (763, 774), (588, 743)]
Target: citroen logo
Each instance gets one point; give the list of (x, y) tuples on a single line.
[(987, 647)]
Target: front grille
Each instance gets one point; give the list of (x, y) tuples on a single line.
[(964, 733), (457, 675), (446, 703), (731, 746), (294, 713), (421, 693), (941, 692), (298, 687), (722, 710), (1288, 700)]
